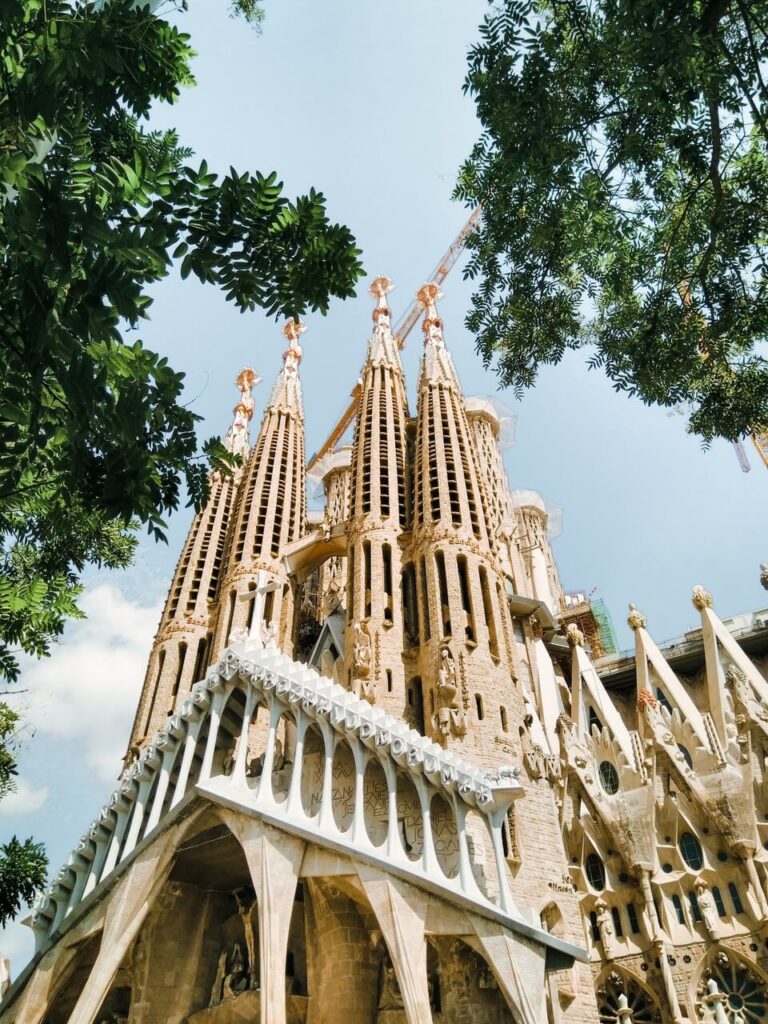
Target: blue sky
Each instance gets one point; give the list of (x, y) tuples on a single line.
[(364, 102)]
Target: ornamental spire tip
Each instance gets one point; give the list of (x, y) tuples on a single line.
[(380, 286), (236, 440), (432, 326), (292, 331)]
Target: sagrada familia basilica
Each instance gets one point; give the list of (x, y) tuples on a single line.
[(383, 771)]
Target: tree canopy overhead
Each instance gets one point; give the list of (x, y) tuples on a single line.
[(96, 208), (623, 175)]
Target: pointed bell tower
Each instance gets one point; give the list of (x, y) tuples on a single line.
[(467, 675), (270, 513), (182, 646), (379, 512)]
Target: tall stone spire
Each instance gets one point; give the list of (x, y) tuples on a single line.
[(379, 515), (270, 513), (447, 487), (465, 656), (182, 643)]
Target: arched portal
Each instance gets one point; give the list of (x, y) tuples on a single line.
[(619, 990), (728, 982)]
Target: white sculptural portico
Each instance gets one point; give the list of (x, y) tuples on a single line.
[(204, 753)]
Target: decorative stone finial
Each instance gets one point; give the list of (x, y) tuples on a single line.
[(764, 574), (574, 635), (382, 314), (645, 699), (432, 326), (428, 295), (236, 440), (701, 598), (635, 619), (380, 287), (293, 330)]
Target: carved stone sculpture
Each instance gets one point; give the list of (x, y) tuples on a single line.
[(708, 909), (245, 908), (390, 997), (450, 717), (269, 635), (362, 650), (701, 598), (236, 980), (605, 927), (574, 635), (764, 574), (635, 619), (364, 685)]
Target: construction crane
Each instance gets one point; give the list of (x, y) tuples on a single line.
[(410, 318), (401, 330)]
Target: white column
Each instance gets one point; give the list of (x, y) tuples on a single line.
[(466, 878), (359, 834), (214, 720), (186, 760), (102, 849), (238, 770), (137, 818), (294, 794), (123, 810), (394, 846), (428, 857), (494, 824), (169, 758), (264, 793), (325, 820)]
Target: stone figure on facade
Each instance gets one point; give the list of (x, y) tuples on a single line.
[(764, 574), (236, 979), (708, 909), (269, 635), (246, 904), (635, 619), (450, 717), (364, 684), (605, 928)]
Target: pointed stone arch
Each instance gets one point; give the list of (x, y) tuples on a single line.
[(619, 989)]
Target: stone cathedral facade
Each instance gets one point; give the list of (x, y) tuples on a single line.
[(376, 775)]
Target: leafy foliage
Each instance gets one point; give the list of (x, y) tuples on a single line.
[(22, 874), (94, 209), (22, 865), (97, 209), (623, 176)]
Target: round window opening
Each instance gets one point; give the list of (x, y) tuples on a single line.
[(690, 847), (746, 999), (595, 872), (609, 777)]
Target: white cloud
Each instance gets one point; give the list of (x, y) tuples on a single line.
[(25, 799), (87, 690)]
